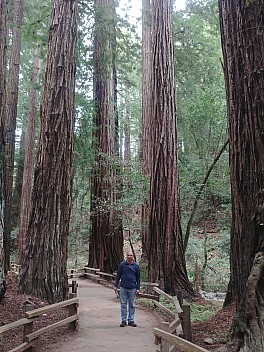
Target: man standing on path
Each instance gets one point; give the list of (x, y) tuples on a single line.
[(128, 274)]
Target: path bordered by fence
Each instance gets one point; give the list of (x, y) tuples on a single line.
[(176, 334), (30, 337), (167, 339)]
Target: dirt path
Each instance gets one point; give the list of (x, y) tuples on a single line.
[(99, 330)]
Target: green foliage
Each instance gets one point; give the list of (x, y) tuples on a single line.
[(202, 126), (144, 272), (212, 255), (147, 303), (201, 112), (36, 23), (203, 312)]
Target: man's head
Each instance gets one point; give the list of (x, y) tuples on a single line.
[(130, 257)]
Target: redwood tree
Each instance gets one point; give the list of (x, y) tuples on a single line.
[(242, 29), (106, 237), (166, 262), (146, 116), (3, 36), (25, 206), (44, 268), (10, 123)]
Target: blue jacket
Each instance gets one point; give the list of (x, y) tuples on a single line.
[(129, 274)]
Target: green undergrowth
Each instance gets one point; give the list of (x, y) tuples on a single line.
[(203, 312), (199, 312)]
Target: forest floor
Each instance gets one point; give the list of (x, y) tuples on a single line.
[(12, 309)]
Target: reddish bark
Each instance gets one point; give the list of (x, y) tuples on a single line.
[(106, 237), (167, 262), (44, 269), (26, 190), (242, 29), (3, 53)]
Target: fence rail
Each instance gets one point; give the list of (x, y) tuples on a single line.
[(101, 277), (30, 337), (176, 334), (166, 340)]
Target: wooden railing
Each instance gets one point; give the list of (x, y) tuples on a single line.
[(101, 277), (180, 319), (170, 343), (29, 337), (175, 334)]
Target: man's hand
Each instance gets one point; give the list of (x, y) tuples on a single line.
[(137, 292), (115, 290)]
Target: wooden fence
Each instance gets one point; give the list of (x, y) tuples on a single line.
[(170, 343), (29, 336), (176, 334), (101, 277)]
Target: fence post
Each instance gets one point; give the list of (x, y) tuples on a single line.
[(186, 323), (74, 286), (72, 311), (164, 345), (28, 329)]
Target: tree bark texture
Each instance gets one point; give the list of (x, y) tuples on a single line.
[(25, 205), (167, 262), (44, 268), (146, 117), (10, 124), (126, 128), (3, 72), (18, 180), (106, 237), (242, 29)]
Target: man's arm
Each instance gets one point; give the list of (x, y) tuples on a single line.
[(138, 279)]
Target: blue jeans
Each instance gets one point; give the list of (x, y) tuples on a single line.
[(127, 298)]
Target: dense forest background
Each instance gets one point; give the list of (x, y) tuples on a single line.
[(147, 132), (202, 133), (201, 124)]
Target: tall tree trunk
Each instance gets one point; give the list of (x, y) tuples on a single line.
[(146, 117), (167, 261), (10, 129), (44, 268), (3, 43), (106, 237), (25, 206), (127, 139), (18, 180), (242, 29)]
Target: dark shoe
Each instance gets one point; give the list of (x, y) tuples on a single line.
[(131, 323), (123, 324)]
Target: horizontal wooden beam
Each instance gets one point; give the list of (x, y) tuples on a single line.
[(48, 328), (91, 276), (164, 309), (23, 347), (181, 344), (148, 295), (14, 325), (174, 324), (101, 273), (91, 269), (46, 309), (164, 294)]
